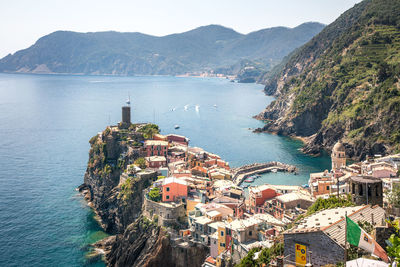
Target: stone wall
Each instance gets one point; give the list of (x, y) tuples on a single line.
[(324, 249), (168, 214)]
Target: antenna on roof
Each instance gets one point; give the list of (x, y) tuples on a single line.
[(128, 101)]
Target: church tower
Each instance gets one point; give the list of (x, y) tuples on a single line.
[(338, 156)]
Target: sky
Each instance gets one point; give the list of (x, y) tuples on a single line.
[(22, 22)]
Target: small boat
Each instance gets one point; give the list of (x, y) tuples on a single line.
[(257, 176), (177, 126), (249, 180), (215, 106), (274, 170)]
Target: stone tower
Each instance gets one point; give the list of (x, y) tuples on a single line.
[(366, 190), (126, 114), (338, 156)]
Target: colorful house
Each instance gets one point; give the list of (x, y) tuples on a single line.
[(156, 162), (178, 139), (258, 195), (174, 189), (156, 148)]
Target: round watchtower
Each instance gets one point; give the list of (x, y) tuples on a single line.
[(126, 114), (338, 156)]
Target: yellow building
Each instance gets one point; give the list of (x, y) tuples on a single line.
[(221, 240)]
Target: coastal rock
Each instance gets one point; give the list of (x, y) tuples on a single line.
[(145, 244), (333, 89), (103, 183)]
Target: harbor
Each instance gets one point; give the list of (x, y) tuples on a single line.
[(244, 172)]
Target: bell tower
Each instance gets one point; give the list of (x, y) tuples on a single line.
[(338, 156)]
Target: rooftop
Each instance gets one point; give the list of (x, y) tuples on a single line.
[(365, 179), (332, 222), (155, 143), (294, 196), (156, 158), (170, 180)]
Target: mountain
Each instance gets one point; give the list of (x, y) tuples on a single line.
[(201, 49), (343, 84)]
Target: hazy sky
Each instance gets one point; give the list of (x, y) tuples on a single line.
[(22, 22)]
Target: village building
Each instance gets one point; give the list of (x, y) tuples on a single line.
[(326, 229), (258, 195), (174, 189), (179, 139), (366, 190), (283, 204), (156, 148), (156, 162)]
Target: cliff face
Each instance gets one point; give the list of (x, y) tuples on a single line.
[(343, 84), (116, 198), (146, 244)]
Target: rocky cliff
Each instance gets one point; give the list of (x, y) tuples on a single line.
[(145, 244), (343, 84), (117, 198)]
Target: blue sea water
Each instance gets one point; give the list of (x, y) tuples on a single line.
[(47, 120)]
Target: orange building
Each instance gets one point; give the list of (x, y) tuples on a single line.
[(258, 195), (174, 189)]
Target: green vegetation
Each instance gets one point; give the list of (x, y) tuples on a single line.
[(323, 204), (154, 194), (265, 257), (394, 197), (126, 190), (149, 130), (393, 249), (119, 53), (141, 163), (330, 203), (349, 78)]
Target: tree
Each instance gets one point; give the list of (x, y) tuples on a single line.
[(149, 130), (154, 194), (394, 197), (393, 249), (141, 163)]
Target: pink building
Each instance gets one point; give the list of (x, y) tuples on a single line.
[(178, 139), (156, 148), (383, 170), (174, 189), (156, 161)]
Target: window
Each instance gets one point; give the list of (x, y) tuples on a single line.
[(167, 197), (167, 189), (327, 188), (377, 190), (353, 189), (222, 233), (369, 190), (360, 190), (250, 233), (298, 206)]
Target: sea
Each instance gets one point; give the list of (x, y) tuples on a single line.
[(46, 122)]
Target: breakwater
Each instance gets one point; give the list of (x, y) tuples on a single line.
[(241, 173)]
